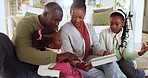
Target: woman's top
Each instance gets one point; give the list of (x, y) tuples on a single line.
[(74, 42), (83, 31)]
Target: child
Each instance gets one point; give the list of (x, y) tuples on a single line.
[(49, 39), (118, 39)]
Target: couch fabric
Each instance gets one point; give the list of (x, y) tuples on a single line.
[(101, 17)]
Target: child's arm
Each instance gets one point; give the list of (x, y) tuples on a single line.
[(44, 70)]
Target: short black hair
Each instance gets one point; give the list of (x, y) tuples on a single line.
[(53, 6)]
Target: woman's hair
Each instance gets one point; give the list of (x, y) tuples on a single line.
[(43, 37), (78, 4), (79, 1)]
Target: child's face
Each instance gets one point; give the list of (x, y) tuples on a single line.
[(57, 43), (116, 23)]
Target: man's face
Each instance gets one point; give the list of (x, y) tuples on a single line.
[(53, 18)]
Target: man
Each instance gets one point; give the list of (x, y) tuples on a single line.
[(30, 57)]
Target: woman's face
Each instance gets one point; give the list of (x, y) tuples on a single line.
[(116, 23), (77, 16)]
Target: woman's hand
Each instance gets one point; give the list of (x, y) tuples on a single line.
[(83, 66), (144, 49), (67, 57)]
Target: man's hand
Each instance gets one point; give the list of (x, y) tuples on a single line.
[(67, 56)]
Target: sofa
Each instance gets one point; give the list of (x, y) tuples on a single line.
[(91, 17)]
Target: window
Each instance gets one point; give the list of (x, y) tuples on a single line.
[(124, 5), (67, 4)]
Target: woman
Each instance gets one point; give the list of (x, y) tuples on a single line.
[(118, 39), (80, 38)]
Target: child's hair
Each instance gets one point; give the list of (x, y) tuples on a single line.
[(126, 29), (43, 37)]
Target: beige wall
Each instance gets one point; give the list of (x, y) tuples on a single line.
[(145, 22)]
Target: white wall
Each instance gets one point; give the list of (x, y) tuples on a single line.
[(108, 3), (138, 20), (145, 23), (3, 15), (33, 2)]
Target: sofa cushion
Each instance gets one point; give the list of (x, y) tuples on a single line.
[(16, 19), (29, 14), (98, 10), (101, 18)]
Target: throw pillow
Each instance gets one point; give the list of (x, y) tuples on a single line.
[(101, 18), (98, 10), (29, 14)]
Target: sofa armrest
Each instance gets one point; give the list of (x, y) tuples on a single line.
[(98, 29), (11, 24)]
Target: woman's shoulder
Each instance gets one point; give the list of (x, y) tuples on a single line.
[(66, 26)]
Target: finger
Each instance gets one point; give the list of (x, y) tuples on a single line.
[(76, 59), (143, 46), (146, 43)]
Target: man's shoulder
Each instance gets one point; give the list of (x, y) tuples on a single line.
[(30, 18), (27, 21)]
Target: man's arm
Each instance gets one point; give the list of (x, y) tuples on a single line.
[(24, 49)]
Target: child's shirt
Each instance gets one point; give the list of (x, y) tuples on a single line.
[(54, 69), (111, 42)]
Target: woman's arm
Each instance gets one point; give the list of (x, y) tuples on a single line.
[(98, 48), (66, 41)]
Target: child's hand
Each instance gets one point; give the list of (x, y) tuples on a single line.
[(106, 53), (83, 66), (144, 48), (61, 75)]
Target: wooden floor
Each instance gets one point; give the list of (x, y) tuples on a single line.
[(142, 62)]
